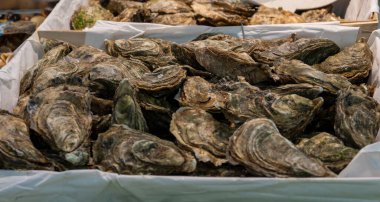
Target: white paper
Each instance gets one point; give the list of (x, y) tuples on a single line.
[(361, 10), (293, 5)]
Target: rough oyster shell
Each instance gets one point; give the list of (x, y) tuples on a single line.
[(291, 113), (175, 19), (319, 15), (126, 110), (308, 50), (118, 6), (295, 71), (221, 13), (197, 92), (51, 57), (127, 151), (61, 116), (266, 15), (259, 146), (226, 63), (354, 62), (167, 6), (329, 149), (357, 118), (302, 89), (162, 80), (16, 148), (198, 131)]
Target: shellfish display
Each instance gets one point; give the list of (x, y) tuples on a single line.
[(215, 106), (193, 12)]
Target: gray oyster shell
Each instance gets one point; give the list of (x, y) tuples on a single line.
[(199, 132), (357, 118), (61, 117), (259, 146), (126, 110), (354, 62), (16, 148), (127, 151), (295, 71), (329, 149)]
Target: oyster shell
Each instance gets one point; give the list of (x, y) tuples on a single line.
[(319, 15), (87, 16), (308, 50), (291, 113), (198, 131), (221, 13), (329, 149), (302, 89), (259, 146), (167, 6), (266, 15), (51, 57), (127, 151), (357, 118), (175, 19), (61, 116), (126, 110), (354, 62), (225, 170), (197, 92), (16, 148), (118, 6), (101, 106), (295, 71), (130, 15), (226, 63), (162, 80)]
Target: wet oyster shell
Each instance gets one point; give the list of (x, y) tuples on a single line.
[(51, 57), (259, 146), (266, 15), (308, 50), (162, 80), (357, 118), (221, 13), (167, 6), (198, 131), (354, 62), (197, 92), (301, 89), (175, 19), (291, 113), (118, 6), (16, 148), (295, 71), (127, 151), (126, 110), (61, 116), (226, 63), (225, 170), (329, 149)]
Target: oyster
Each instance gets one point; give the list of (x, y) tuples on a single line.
[(226, 63), (221, 13), (225, 170), (295, 71), (265, 15), (259, 146), (197, 92), (162, 80), (20, 108), (51, 57), (291, 113), (308, 50), (354, 62), (130, 15), (357, 118), (329, 149), (302, 89), (319, 15), (61, 116), (101, 106), (167, 6), (126, 110), (127, 151), (118, 6), (16, 148), (87, 16), (175, 19), (198, 131)]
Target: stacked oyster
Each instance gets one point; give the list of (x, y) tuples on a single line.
[(214, 106), (191, 12)]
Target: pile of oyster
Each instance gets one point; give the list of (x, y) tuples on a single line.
[(214, 106), (191, 12)]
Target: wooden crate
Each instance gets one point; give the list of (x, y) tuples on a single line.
[(366, 27)]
